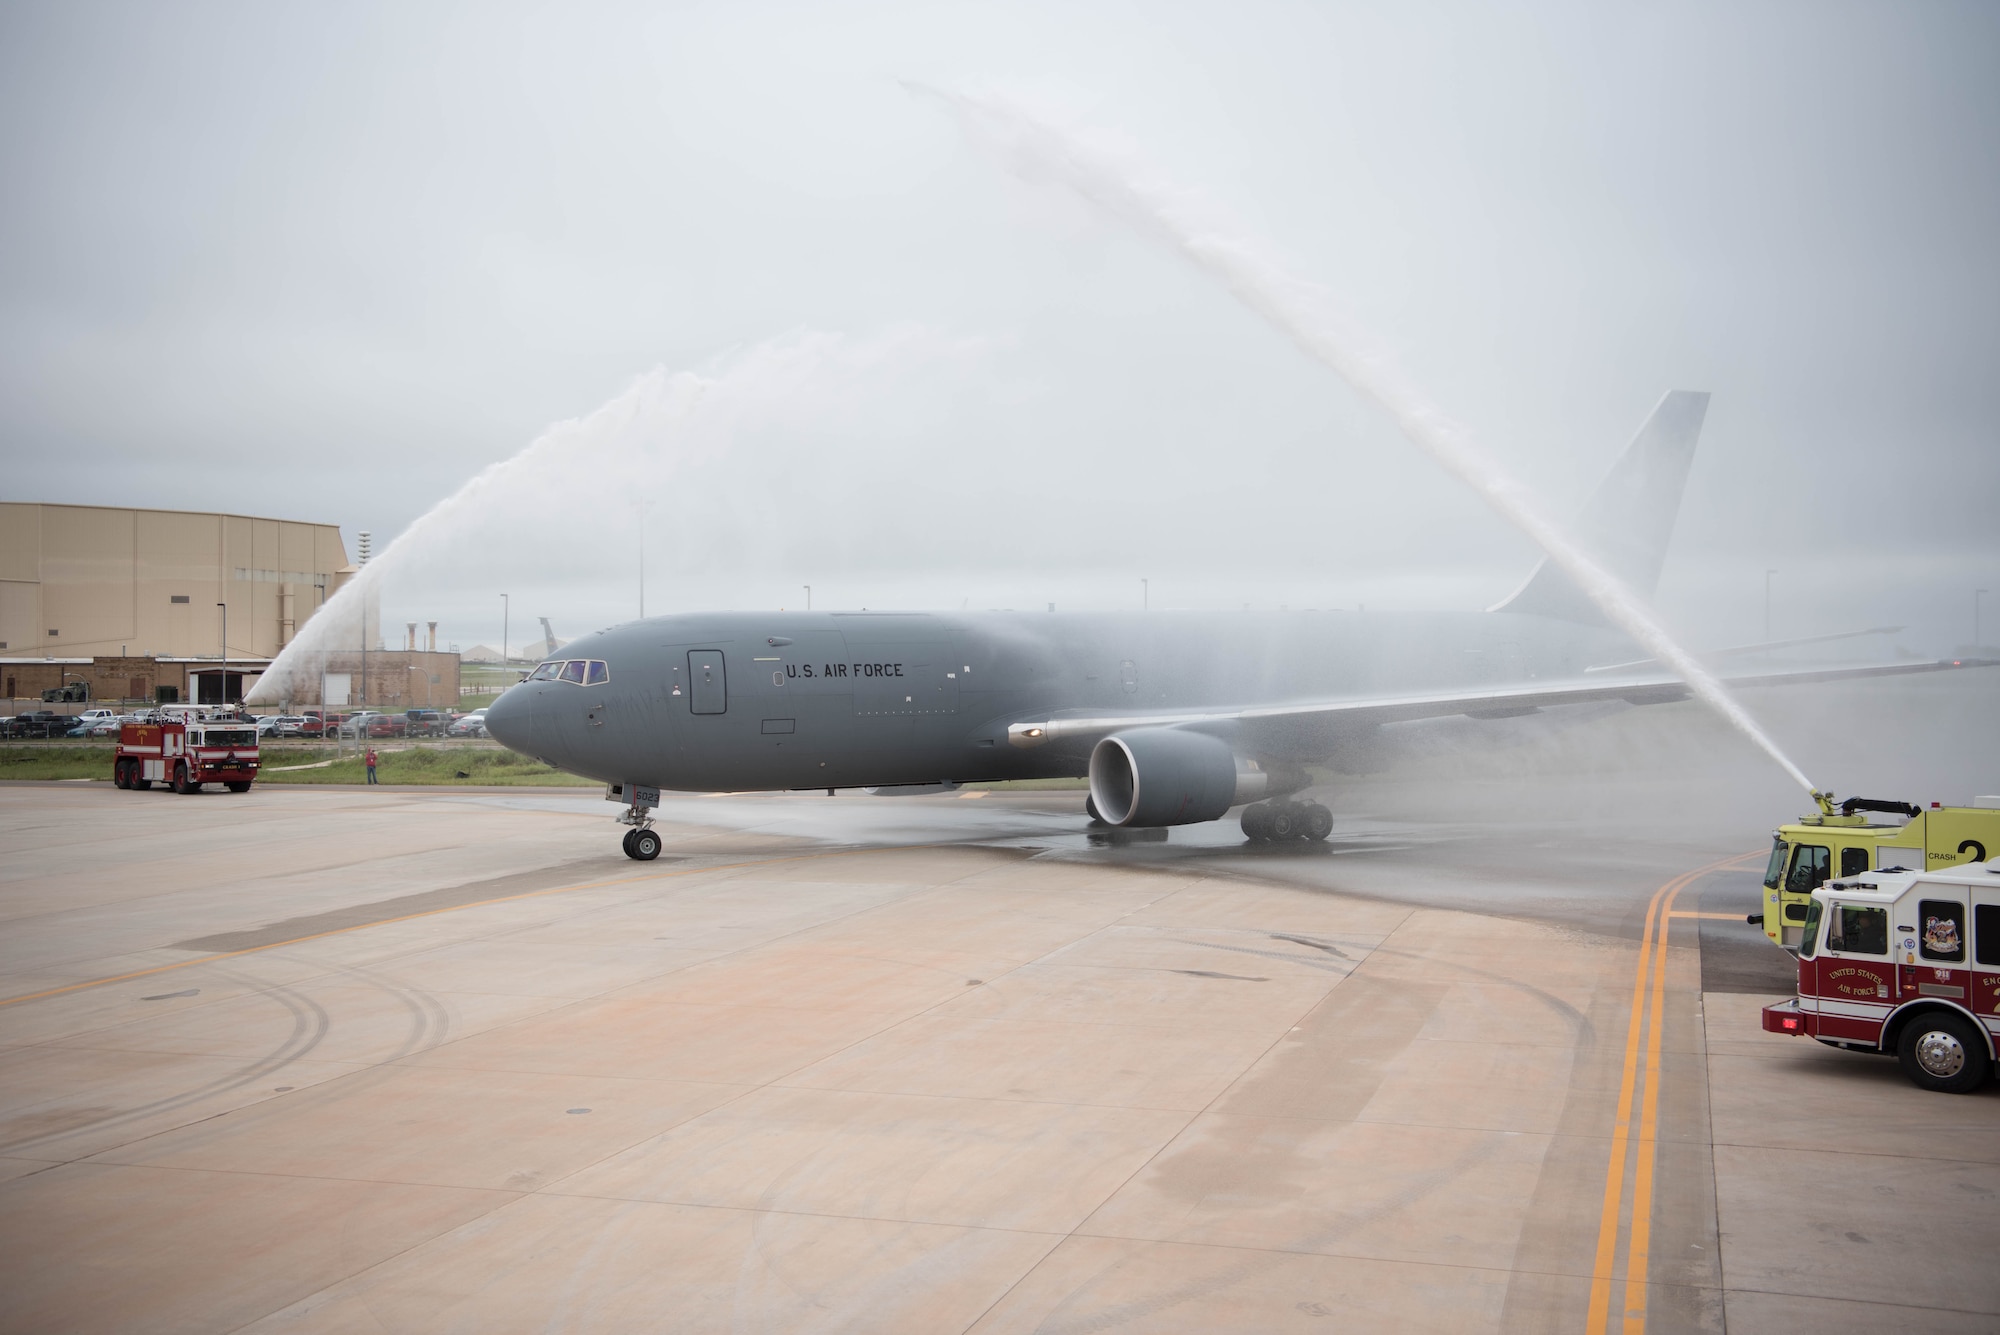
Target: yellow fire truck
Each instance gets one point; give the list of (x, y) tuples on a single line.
[(1863, 834)]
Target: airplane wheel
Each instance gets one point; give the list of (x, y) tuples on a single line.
[(1283, 822), (1257, 822), (1090, 810), (626, 843), (1319, 822), (642, 845)]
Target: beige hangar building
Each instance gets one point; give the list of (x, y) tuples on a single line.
[(128, 601)]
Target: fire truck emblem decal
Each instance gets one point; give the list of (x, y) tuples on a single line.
[(1941, 935)]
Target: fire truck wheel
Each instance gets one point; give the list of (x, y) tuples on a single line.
[(121, 774), (642, 845), (181, 784), (1941, 1053), (140, 785), (238, 785), (1319, 822)]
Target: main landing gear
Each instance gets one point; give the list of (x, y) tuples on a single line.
[(1283, 820)]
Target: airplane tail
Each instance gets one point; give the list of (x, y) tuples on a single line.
[(1630, 516)]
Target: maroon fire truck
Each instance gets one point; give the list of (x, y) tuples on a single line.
[(185, 751), (1904, 962)]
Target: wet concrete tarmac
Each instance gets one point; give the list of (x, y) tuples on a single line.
[(346, 1059)]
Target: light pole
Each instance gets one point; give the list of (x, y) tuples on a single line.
[(1767, 605), (503, 631), (809, 596), (1977, 594), (642, 560), (1145, 595), (222, 689)]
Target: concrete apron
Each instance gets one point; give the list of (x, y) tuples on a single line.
[(915, 1089)]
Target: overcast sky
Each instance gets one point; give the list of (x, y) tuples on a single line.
[(328, 262)]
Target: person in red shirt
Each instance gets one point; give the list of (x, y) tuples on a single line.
[(371, 766)]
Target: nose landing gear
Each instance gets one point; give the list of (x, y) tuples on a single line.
[(1283, 820), (642, 843)]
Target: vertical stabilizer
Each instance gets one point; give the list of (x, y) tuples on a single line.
[(1630, 516)]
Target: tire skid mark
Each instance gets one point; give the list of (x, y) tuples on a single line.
[(310, 1025)]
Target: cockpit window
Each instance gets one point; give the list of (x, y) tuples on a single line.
[(577, 672)]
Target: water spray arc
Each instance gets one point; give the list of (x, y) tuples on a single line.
[(1108, 180), (667, 425)]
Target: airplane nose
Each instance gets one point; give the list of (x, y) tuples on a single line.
[(507, 720)]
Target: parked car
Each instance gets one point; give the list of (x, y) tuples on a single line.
[(425, 722), (41, 724), (468, 725), (387, 725), (287, 725), (267, 725), (348, 725)]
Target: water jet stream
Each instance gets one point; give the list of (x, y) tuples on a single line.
[(1111, 180), (662, 428)]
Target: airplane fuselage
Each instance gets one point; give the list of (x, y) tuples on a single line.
[(749, 700)]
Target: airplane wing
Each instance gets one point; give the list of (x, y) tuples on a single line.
[(1298, 726)]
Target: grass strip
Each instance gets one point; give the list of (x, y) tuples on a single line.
[(445, 766)]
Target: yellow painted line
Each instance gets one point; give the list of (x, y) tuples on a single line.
[(453, 908), (1614, 1176), (1649, 1130), (1621, 1132), (1712, 917), (1649, 1146)]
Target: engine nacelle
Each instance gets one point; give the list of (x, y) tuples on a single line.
[(1165, 776)]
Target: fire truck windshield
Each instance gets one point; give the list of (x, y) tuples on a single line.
[(230, 737), (1809, 938), (1774, 870)]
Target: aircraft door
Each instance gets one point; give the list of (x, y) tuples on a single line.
[(708, 688)]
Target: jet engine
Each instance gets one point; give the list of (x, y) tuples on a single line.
[(1166, 776)]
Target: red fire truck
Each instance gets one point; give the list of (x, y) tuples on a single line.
[(1905, 962), (186, 751)]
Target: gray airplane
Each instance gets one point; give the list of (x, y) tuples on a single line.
[(1174, 717)]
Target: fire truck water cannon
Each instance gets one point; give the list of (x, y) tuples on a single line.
[(185, 751), (1903, 962)]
